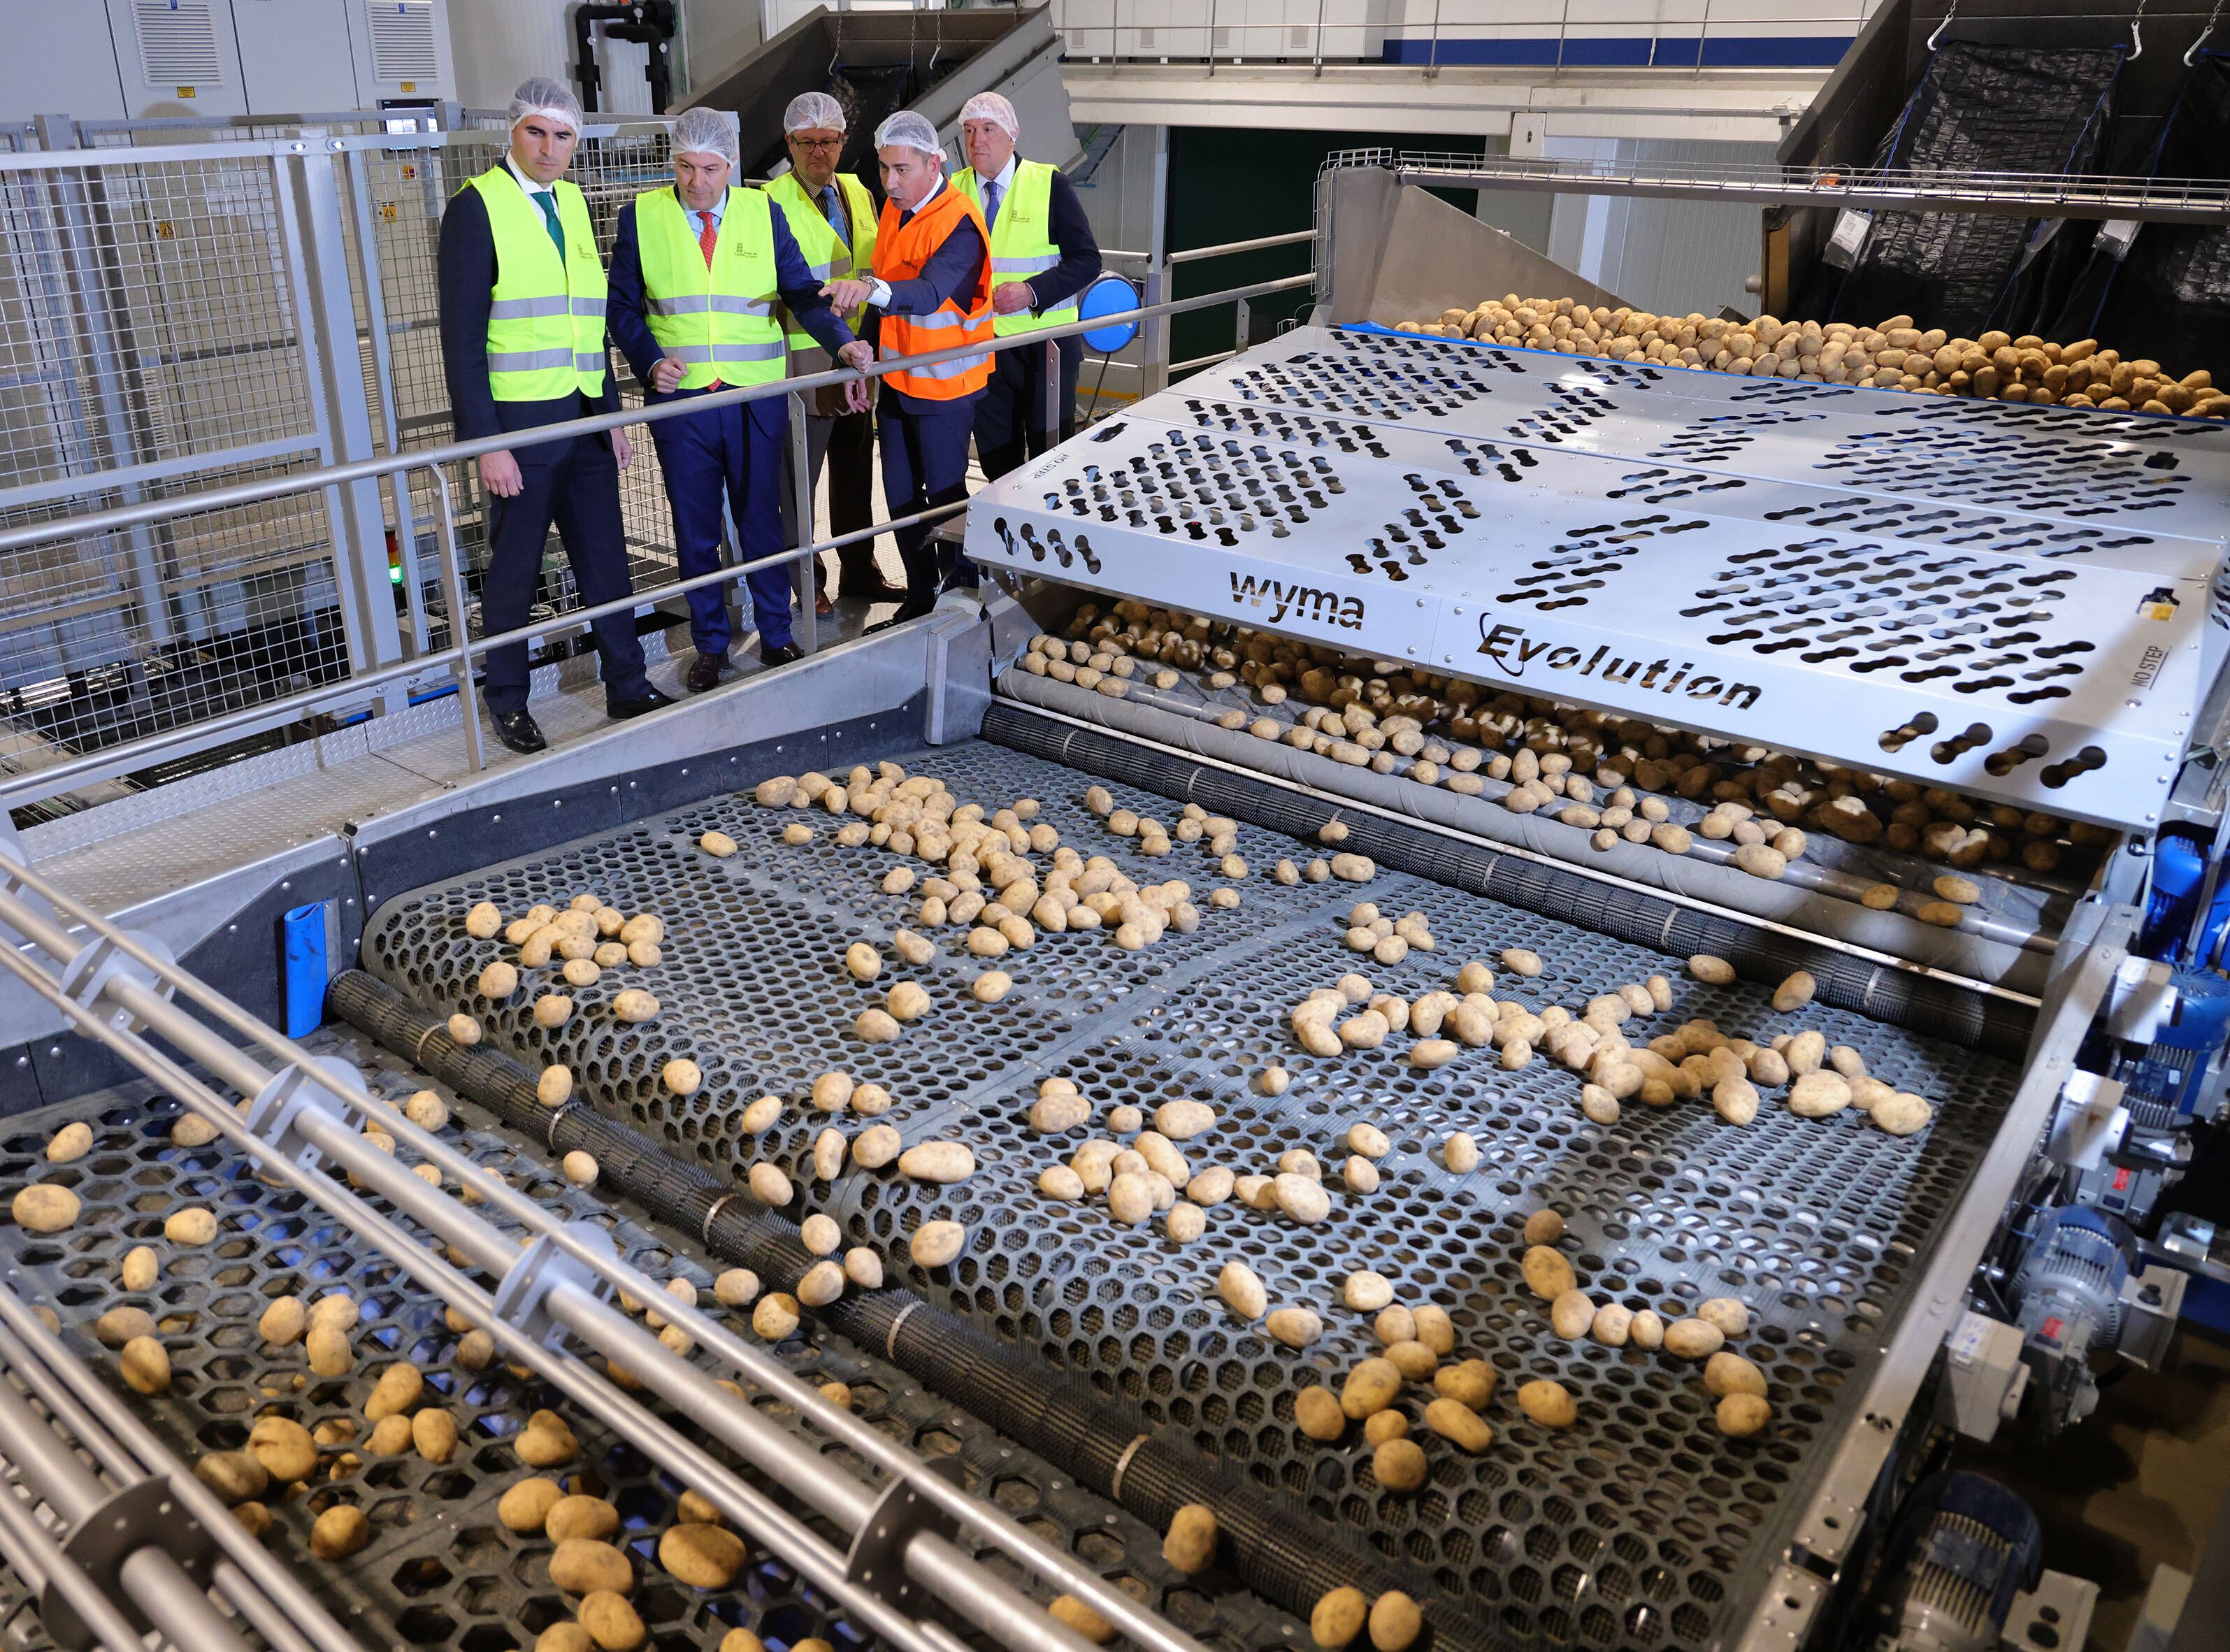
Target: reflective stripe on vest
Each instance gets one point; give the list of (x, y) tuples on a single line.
[(901, 250), (717, 322), (828, 257), (1021, 240), (546, 332)]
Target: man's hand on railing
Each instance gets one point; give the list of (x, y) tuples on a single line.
[(500, 474), (664, 375), (846, 295), (861, 354), (622, 448)]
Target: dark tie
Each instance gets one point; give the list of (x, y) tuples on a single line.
[(831, 209), (992, 193), (548, 203)]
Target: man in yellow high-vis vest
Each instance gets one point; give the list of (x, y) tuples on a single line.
[(1042, 255), (699, 270), (522, 307), (832, 217)]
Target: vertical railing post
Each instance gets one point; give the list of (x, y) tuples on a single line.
[(453, 591), (1154, 367), (796, 453)]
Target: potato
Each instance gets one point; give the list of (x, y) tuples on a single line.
[(1960, 891), (634, 1005), (1548, 1403), (398, 1390), (1302, 1197), (1413, 1359), (283, 1322), (1189, 1544), (1399, 1465), (1694, 1339), (938, 1161), (1903, 1113), (554, 1087), (610, 1622), (1453, 1421), (484, 921), (1817, 1095), (1182, 1120), (776, 1316), (284, 1448), (339, 1532), (1573, 1313), (1548, 1273), (1211, 1186), (583, 1566), (1741, 1415), (1727, 1373), (44, 1208), (798, 834), (1396, 1620), (875, 1146), (433, 1431), (1242, 1290), (145, 1367), (499, 981), (704, 1556), (1461, 1153), (545, 1442), (1073, 1614), (1714, 971), (935, 1244), (771, 1186), (1805, 1052), (1735, 1100), (1318, 1414), (823, 1283), (1468, 1383), (524, 1506), (580, 1168), (1544, 1227), (1338, 1617), (72, 1141), (1373, 1386), (119, 1325), (864, 962), (1614, 1323), (331, 1353), (139, 1270), (1366, 1291), (907, 1001), (1395, 1324), (1794, 992)]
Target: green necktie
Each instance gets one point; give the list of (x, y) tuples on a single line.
[(548, 203)]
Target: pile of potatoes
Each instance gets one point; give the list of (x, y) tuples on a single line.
[(1440, 1024), (1737, 1384), (1152, 1176), (589, 1566), (1444, 731), (1898, 354), (580, 944)]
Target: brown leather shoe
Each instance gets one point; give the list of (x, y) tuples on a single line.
[(705, 672)]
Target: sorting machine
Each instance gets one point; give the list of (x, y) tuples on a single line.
[(2014, 607)]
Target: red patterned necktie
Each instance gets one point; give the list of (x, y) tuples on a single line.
[(707, 238)]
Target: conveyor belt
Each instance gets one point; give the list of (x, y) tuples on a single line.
[(1639, 1527), (440, 1570)]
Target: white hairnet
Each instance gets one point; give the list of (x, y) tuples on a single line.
[(812, 111), (910, 130), (553, 100), (990, 106), (701, 131)]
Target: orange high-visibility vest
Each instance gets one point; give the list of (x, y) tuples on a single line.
[(900, 253)]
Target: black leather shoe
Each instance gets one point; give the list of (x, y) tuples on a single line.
[(705, 672), (912, 608), (788, 654), (652, 701), (882, 591), (518, 730)]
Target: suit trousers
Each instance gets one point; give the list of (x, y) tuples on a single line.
[(575, 484), (1010, 420), (732, 453), (925, 464)]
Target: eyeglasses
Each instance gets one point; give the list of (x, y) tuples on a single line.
[(817, 143)]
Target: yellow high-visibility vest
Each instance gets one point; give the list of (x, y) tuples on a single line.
[(545, 332), (832, 259), (718, 321), (1021, 241)]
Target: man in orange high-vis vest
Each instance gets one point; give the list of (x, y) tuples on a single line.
[(933, 285)]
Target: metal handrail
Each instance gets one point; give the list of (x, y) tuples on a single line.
[(46, 781), (146, 995)]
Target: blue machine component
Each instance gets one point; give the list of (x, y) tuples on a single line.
[(2179, 874), (303, 971), (1962, 1549), (2068, 1296), (2167, 1081)]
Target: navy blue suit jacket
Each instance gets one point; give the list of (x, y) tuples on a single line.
[(794, 282)]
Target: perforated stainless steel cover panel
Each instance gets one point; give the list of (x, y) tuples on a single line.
[(1640, 1527), (2019, 617)]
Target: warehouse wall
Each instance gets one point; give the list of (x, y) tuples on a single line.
[(1676, 255)]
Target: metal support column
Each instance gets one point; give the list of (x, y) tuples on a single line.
[(796, 454), (307, 189), (383, 374), (1154, 367)]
